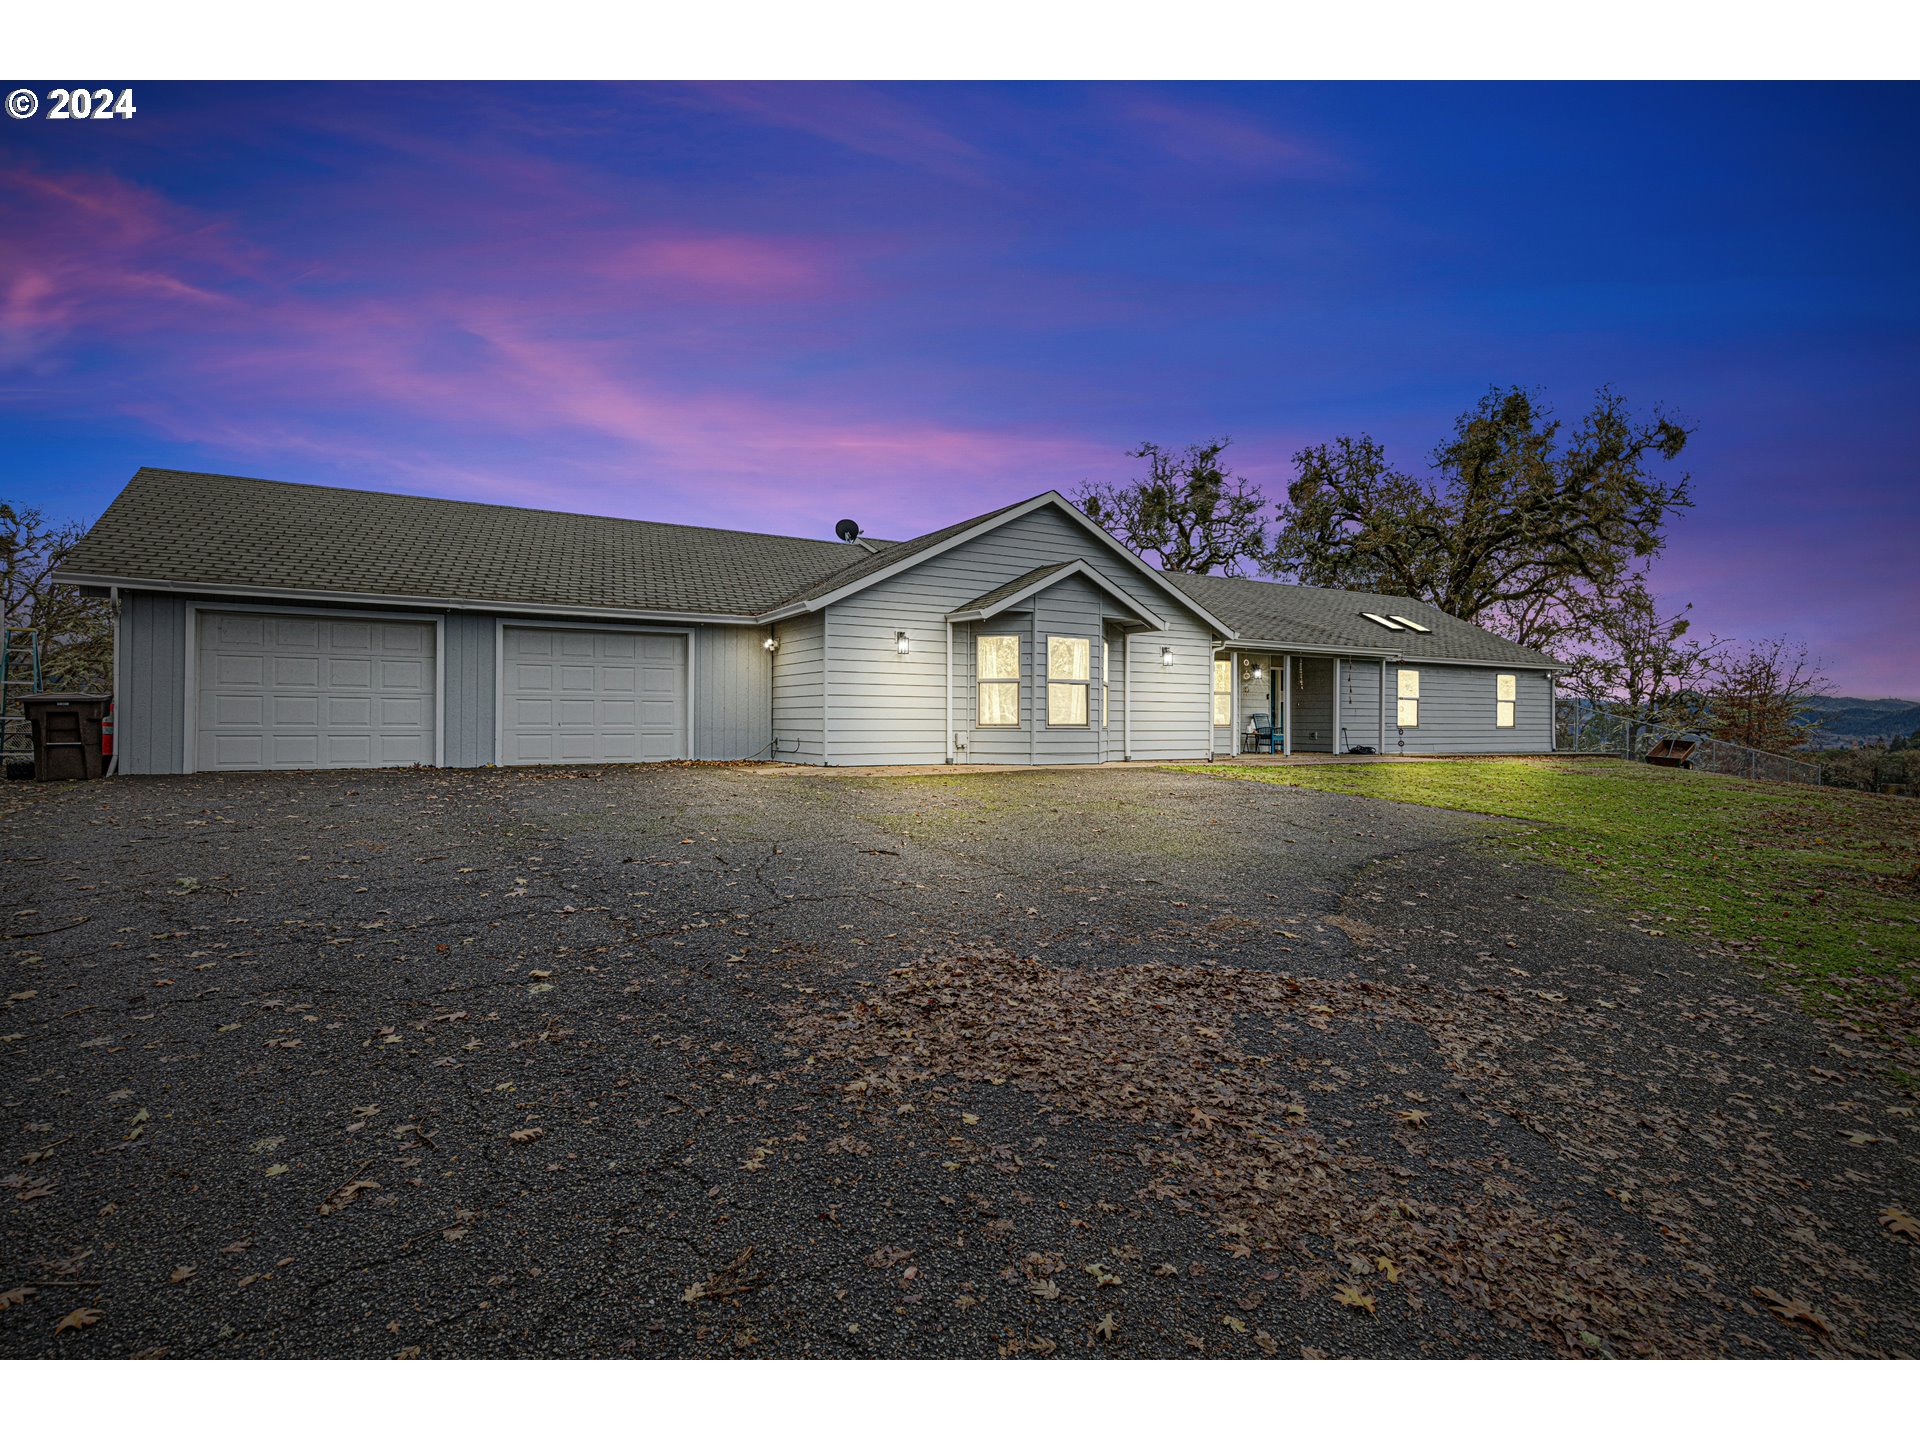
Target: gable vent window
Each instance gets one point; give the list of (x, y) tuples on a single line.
[(1409, 698), (1413, 625), (1503, 698), (998, 666), (1381, 620)]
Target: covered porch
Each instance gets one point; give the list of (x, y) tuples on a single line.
[(1282, 701)]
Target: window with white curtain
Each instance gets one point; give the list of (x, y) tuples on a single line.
[(1067, 679), (997, 680), (1409, 698), (1223, 692), (1503, 698)]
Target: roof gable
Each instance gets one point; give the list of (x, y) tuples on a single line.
[(1044, 577), (896, 559)]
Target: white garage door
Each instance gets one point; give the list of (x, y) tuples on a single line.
[(592, 697), (312, 692)]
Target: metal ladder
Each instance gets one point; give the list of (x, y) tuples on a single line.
[(19, 676)]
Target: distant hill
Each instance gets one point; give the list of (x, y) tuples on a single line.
[(1847, 718)]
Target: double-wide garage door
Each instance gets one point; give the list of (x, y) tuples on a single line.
[(324, 692), (592, 696), (298, 692)]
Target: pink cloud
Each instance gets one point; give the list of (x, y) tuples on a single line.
[(103, 254), (722, 265)]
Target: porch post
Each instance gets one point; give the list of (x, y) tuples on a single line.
[(1126, 695), (1383, 705), (1336, 705), (1233, 704), (949, 692), (1286, 704)]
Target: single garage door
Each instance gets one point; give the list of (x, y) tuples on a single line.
[(583, 697), (312, 692)]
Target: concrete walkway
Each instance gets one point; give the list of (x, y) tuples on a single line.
[(1249, 760)]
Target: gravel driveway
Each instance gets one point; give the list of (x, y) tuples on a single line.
[(713, 1061)]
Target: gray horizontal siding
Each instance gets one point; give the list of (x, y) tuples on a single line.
[(1457, 712)]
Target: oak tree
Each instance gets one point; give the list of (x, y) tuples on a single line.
[(1188, 513)]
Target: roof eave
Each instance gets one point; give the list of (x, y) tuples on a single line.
[(428, 602), (1046, 582)]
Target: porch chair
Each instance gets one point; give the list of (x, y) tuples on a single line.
[(1260, 726)]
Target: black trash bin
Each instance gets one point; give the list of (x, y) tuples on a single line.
[(66, 735)]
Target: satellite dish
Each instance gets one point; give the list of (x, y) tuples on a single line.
[(847, 530)]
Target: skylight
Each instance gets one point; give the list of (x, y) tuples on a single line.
[(1413, 624), (1380, 620)]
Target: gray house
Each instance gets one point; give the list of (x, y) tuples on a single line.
[(272, 626)]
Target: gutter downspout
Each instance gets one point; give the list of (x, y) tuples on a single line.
[(950, 757), (1126, 695), (113, 601)]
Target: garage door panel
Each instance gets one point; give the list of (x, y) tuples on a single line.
[(319, 692), (291, 671), (585, 705), (240, 669), (238, 710)]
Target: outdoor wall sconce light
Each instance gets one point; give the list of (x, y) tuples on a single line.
[(901, 644), (770, 644), (1256, 672), (1166, 655)]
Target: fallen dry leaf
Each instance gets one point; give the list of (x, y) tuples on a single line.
[(1354, 1298), (79, 1319), (526, 1137), (1900, 1223), (181, 1274), (19, 1295), (1793, 1309)]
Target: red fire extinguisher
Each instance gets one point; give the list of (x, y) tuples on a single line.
[(106, 734)]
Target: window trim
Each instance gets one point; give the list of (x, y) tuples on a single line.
[(1505, 704), (980, 685), (1106, 685), (1085, 687), (1222, 697), (1407, 695)]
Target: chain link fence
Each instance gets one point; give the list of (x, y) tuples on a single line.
[(1582, 728)]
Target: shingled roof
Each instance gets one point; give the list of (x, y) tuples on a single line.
[(182, 528), (1269, 612)]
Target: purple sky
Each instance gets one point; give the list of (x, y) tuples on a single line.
[(769, 306)]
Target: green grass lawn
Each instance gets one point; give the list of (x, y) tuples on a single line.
[(1821, 885)]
